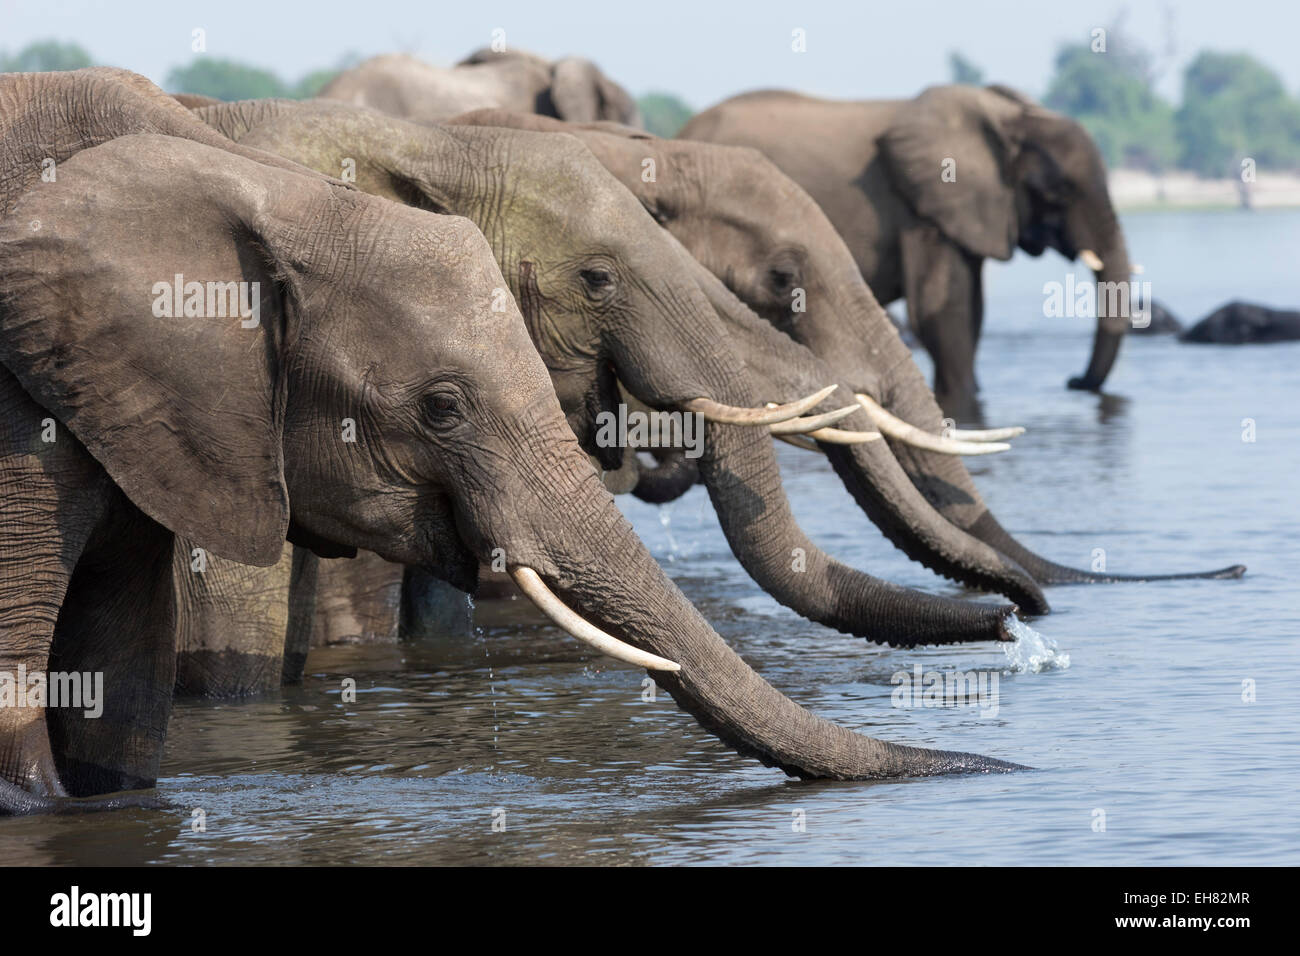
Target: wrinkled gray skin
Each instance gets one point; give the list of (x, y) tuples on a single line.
[(610, 298), (231, 437), (572, 88), (762, 235), (1025, 177)]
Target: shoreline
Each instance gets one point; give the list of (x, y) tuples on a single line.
[(1135, 191)]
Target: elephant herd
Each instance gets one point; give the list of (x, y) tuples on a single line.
[(275, 373)]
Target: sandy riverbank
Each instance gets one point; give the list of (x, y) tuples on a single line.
[(1131, 189)]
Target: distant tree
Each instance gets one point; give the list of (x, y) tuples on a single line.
[(964, 71), (1234, 107), (663, 113), (44, 56), (1112, 96), (312, 83), (225, 79)]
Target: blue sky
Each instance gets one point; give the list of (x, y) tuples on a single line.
[(702, 50)]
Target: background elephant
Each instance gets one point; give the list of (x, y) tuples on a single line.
[(570, 88), (763, 237), (1240, 323), (182, 428), (924, 190), (610, 298)]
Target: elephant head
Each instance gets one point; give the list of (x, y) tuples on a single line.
[(1021, 176), (771, 245), (610, 298), (576, 90), (250, 352)]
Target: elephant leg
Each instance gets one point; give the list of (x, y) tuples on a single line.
[(303, 581), (358, 600), (117, 631), (945, 309), (231, 623), (52, 494)]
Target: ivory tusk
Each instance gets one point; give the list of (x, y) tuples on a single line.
[(1091, 260), (810, 423), (563, 616), (734, 415), (985, 434), (895, 427), (838, 436)]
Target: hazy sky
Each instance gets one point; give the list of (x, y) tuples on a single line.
[(703, 50)]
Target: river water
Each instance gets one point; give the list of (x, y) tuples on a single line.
[(515, 745)]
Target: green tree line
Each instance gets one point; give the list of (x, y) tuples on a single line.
[(1233, 106)]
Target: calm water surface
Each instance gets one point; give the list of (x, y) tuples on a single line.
[(1147, 724)]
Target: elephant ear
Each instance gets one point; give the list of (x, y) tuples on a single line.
[(581, 93), (952, 153), (181, 409)]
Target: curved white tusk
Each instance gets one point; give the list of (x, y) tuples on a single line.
[(895, 427), (565, 617), (985, 434), (734, 415), (838, 436), (810, 423), (1091, 260)]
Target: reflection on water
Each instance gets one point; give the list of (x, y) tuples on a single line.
[(519, 726)]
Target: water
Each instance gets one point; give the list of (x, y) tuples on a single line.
[(521, 726)]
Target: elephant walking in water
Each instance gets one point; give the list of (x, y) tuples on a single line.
[(924, 190)]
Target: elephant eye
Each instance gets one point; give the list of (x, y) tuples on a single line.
[(781, 279), (441, 407), (597, 281)]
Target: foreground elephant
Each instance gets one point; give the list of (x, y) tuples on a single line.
[(232, 435), (572, 88), (764, 237), (924, 190), (612, 299), (1241, 323)]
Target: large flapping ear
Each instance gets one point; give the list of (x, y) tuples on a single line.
[(952, 153), (581, 93), (143, 302)]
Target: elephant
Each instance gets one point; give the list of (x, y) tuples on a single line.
[(763, 237), (1242, 323), (924, 190), (378, 401), (572, 88), (635, 317)]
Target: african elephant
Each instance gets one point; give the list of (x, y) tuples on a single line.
[(572, 88), (1241, 323), (764, 237), (924, 190), (613, 301), (377, 401)]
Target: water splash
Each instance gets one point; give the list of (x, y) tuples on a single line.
[(666, 522), (1030, 651)]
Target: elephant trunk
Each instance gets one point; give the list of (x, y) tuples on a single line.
[(671, 477), (1113, 305), (946, 484), (603, 571)]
